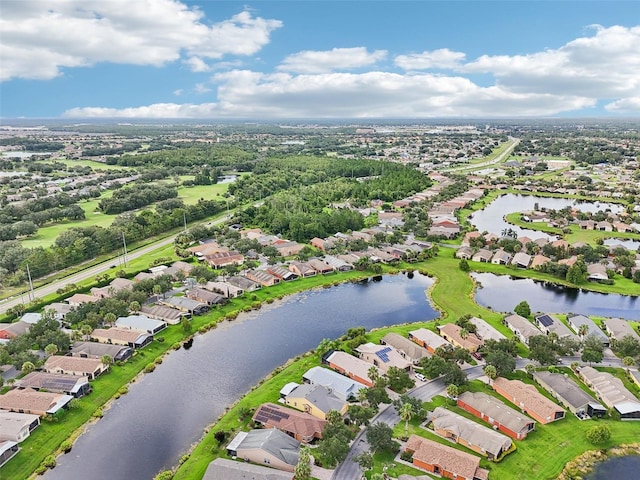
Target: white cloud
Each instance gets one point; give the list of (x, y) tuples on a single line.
[(605, 65), (441, 58), (196, 64), (41, 37), (625, 105), (310, 61), (201, 88), (247, 94), (178, 92)]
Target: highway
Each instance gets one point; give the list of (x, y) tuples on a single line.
[(500, 158)]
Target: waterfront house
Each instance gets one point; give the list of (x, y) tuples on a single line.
[(577, 321), (484, 331), (263, 277), (483, 255), (476, 437), (8, 450), (223, 468), (119, 353), (408, 349), (205, 296), (619, 328), (83, 367), (427, 339), (16, 427), (302, 269), (244, 283), (76, 385), (500, 257), (451, 333), (569, 394), (184, 304), (302, 426), (282, 273), (31, 401), (266, 447), (350, 366), (528, 399), (121, 336), (225, 289), (509, 421), (315, 400), (550, 323), (342, 387), (169, 315), (141, 323), (521, 327), (612, 392), (383, 357)]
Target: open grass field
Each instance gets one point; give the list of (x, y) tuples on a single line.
[(46, 235), (97, 166)]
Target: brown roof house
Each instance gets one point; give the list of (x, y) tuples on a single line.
[(443, 460), (509, 421), (269, 447), (351, 366), (427, 339), (83, 367), (408, 349), (16, 427), (121, 336), (480, 439), (31, 401), (383, 357), (223, 468), (451, 333), (302, 426), (528, 399), (75, 385)]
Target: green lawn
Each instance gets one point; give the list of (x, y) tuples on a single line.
[(97, 166)]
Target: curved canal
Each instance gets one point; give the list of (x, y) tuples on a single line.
[(164, 412)]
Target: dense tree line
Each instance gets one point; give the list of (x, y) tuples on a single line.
[(218, 155), (135, 197)]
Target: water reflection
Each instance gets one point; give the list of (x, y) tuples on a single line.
[(503, 293)]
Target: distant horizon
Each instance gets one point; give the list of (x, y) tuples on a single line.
[(280, 60)]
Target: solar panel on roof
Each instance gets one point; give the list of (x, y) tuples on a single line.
[(545, 320), (384, 354)]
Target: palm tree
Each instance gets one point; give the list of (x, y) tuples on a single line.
[(583, 330), (452, 390), (110, 318), (134, 306), (491, 372), (51, 349), (406, 413), (28, 367), (464, 333), (627, 362), (362, 396), (373, 374), (106, 359), (157, 289), (86, 330)]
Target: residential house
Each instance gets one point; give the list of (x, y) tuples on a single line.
[(383, 357), (141, 323), (488, 408), (16, 427), (480, 439), (337, 263), (263, 277), (528, 399), (408, 349), (75, 385), (320, 267), (521, 327), (244, 283), (612, 392), (302, 269), (577, 321), (550, 323), (302, 426), (83, 367), (184, 304), (321, 244), (350, 366), (469, 236), (619, 328), (377, 255), (464, 252), (427, 339), (60, 309), (538, 260), (79, 298), (483, 255), (165, 314), (451, 333), (31, 318), (287, 248), (30, 401), (205, 296), (342, 387), (13, 330), (569, 393), (521, 260), (116, 285), (282, 273), (8, 450), (500, 257), (568, 261), (225, 289), (484, 331), (604, 226), (121, 336), (315, 400), (443, 460), (223, 468), (597, 271), (266, 447), (224, 259), (119, 353)]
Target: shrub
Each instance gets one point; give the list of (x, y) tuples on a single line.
[(599, 434), (165, 475), (66, 446), (49, 461), (98, 413), (150, 368), (160, 339)]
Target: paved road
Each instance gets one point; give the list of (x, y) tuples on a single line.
[(92, 272), (478, 166)]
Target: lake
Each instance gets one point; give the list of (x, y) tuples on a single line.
[(502, 293), (148, 429), (491, 218), (617, 468)]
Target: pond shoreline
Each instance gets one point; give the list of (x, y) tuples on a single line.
[(587, 462)]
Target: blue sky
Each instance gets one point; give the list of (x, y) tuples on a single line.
[(319, 59)]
